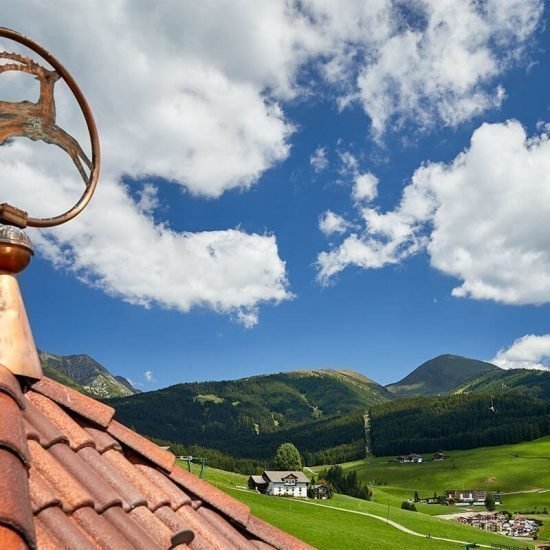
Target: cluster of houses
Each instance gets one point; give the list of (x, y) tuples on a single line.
[(288, 484), (414, 458), (469, 497), (502, 524)]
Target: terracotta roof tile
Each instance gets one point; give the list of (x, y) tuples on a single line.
[(44, 538), (93, 483), (218, 500), (79, 403), (175, 523), (71, 493), (10, 539), (175, 495), (10, 386), (225, 528), (158, 530), (155, 497), (102, 532), (63, 530), (144, 447), (42, 493), (77, 436), (102, 440), (40, 428), (204, 528), (129, 494), (277, 538), (104, 496), (130, 529), (12, 430), (15, 509)]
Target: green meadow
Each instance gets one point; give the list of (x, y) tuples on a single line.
[(340, 523), (506, 468)]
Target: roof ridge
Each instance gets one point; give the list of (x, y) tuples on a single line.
[(85, 406)]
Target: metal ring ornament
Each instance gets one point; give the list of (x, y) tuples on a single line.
[(90, 123)]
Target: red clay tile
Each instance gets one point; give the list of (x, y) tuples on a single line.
[(42, 493), (261, 545), (129, 529), (97, 528), (82, 404), (31, 431), (160, 532), (204, 528), (175, 523), (155, 497), (71, 493), (141, 445), (177, 497), (104, 496), (63, 530), (130, 496), (225, 528), (102, 440), (10, 386), (15, 502), (218, 500), (12, 430), (44, 539), (10, 540), (277, 538), (77, 436), (43, 429)]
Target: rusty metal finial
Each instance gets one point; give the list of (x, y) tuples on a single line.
[(35, 121)]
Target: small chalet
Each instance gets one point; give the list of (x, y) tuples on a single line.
[(439, 456), (411, 458), (292, 484), (320, 491)]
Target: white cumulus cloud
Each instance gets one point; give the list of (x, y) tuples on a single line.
[(528, 352), (330, 223), (318, 159), (480, 218)]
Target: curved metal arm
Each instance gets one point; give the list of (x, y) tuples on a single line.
[(90, 123)]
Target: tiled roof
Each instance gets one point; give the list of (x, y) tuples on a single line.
[(72, 477), (280, 476)]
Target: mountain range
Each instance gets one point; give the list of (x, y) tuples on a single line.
[(321, 411), (85, 374)]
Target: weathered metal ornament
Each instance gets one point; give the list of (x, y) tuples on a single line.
[(35, 121)]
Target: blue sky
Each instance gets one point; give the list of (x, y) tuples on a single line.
[(433, 160)]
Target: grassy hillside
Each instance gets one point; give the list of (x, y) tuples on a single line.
[(439, 376), (342, 521), (508, 468), (250, 417), (460, 421), (534, 383)]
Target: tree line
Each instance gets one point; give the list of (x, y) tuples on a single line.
[(463, 421)]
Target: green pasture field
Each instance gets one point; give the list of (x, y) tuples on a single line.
[(334, 524)]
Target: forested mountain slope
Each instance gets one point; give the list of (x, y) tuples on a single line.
[(440, 375)]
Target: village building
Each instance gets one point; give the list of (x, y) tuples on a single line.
[(411, 458), (320, 491), (281, 483), (502, 524), (439, 456), (463, 497)]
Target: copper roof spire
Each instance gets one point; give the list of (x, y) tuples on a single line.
[(35, 121)]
